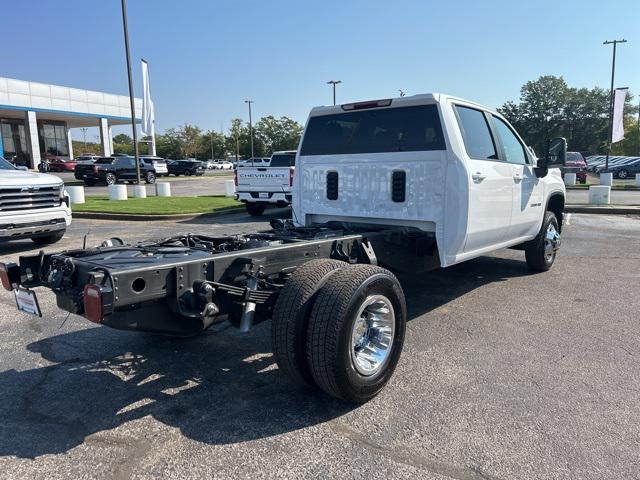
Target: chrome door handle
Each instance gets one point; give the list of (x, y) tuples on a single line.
[(517, 177), (478, 177)]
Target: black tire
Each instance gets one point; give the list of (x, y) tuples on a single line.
[(291, 314), (48, 239), (331, 324), (537, 259), (255, 209), (150, 178), (110, 179), (188, 173), (623, 174)]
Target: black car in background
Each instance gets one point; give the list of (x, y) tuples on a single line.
[(185, 167), (110, 170)]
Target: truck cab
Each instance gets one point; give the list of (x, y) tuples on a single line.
[(441, 167)]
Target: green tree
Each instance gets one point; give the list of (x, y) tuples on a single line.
[(123, 139), (631, 144), (126, 148), (189, 136), (548, 108), (239, 137), (539, 114), (211, 145), (278, 134), (168, 145)]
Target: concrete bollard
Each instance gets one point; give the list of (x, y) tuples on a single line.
[(117, 192), (606, 179), (76, 194), (163, 189), (139, 191), (599, 195), (229, 188), (637, 179), (569, 178)]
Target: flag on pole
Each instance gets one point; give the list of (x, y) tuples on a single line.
[(619, 96), (148, 115)]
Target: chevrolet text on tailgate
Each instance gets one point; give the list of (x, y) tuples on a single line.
[(403, 184)]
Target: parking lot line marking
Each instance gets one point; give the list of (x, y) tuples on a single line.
[(568, 222)]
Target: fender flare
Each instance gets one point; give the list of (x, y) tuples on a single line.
[(555, 202)]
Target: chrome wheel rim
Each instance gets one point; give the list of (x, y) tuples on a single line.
[(551, 242), (372, 335), (622, 174)]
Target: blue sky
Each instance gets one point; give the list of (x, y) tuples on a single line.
[(206, 57)]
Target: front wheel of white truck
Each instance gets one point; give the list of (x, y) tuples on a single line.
[(541, 251), (356, 332)]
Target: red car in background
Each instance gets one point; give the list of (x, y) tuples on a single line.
[(575, 163), (57, 164)]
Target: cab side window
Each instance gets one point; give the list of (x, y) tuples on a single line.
[(513, 149), (478, 141)]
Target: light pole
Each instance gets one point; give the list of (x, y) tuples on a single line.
[(212, 145), (133, 108), (613, 73), (334, 83), (84, 138), (249, 102)]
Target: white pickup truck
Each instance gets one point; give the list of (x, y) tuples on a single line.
[(32, 205), (258, 187), (412, 183)]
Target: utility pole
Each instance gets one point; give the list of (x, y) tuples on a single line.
[(334, 83), (613, 73), (211, 144), (84, 138), (131, 100), (249, 102)]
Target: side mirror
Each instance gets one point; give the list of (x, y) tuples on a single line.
[(555, 154)]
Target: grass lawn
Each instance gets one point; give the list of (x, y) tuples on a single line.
[(156, 205)]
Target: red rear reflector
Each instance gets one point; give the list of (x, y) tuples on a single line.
[(4, 276), (93, 303), (9, 275), (363, 105)]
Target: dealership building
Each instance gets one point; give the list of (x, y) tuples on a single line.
[(36, 119)]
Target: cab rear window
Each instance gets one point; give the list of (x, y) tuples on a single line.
[(402, 129), (283, 160)]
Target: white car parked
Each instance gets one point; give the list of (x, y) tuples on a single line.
[(222, 165), (32, 205)]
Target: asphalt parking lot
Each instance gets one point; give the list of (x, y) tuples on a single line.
[(211, 183), (505, 374)]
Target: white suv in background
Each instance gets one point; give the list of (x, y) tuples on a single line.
[(159, 164), (32, 205)]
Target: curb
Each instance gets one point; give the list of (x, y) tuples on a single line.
[(153, 218), (604, 209)]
